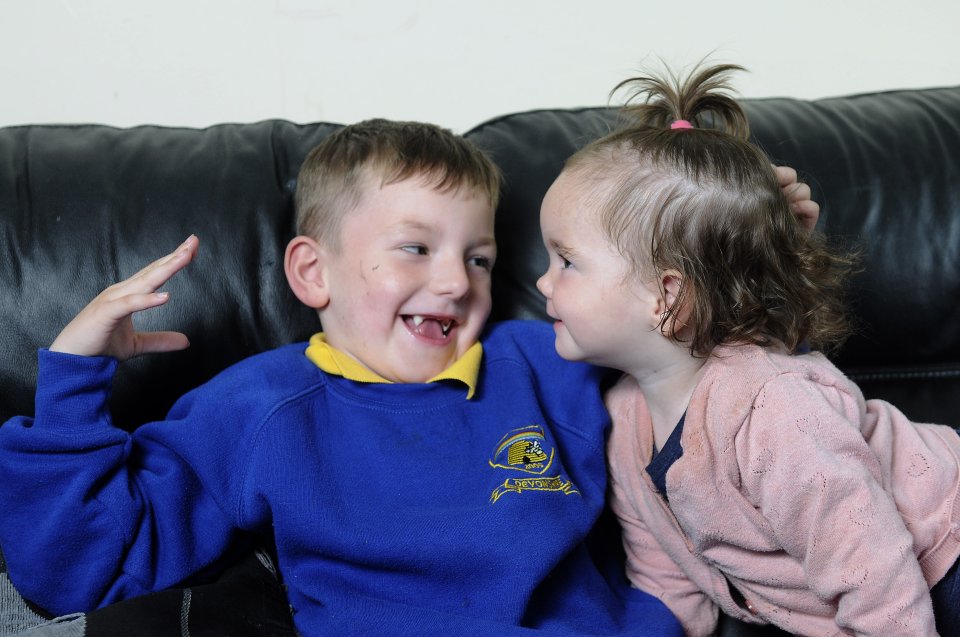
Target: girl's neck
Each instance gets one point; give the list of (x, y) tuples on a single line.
[(667, 391)]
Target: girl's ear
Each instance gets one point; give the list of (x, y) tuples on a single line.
[(671, 282), (304, 264)]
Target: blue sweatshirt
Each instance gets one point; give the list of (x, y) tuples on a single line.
[(396, 509)]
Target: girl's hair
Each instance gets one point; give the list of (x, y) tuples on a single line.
[(338, 172), (706, 202)]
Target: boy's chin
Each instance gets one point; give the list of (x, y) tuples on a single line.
[(422, 374)]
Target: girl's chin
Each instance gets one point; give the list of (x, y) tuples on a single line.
[(567, 353)]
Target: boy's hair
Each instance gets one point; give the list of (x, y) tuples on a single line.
[(377, 152), (707, 203)]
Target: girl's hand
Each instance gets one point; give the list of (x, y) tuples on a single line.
[(798, 194), (105, 328)]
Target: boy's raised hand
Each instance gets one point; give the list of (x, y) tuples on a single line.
[(105, 327)]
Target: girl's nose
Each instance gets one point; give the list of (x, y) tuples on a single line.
[(544, 285)]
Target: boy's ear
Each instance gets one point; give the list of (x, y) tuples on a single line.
[(303, 263)]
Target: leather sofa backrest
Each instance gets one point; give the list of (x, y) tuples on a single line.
[(84, 206)]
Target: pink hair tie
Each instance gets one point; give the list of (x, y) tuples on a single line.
[(681, 123)]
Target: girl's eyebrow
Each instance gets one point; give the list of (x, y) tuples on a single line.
[(559, 247), (485, 242)]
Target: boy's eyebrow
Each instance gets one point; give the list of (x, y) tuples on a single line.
[(407, 224), (559, 247)]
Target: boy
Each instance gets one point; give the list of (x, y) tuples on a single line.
[(413, 479)]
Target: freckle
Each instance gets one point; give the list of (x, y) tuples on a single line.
[(375, 268)]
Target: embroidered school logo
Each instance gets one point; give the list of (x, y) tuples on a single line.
[(527, 450), (523, 450)]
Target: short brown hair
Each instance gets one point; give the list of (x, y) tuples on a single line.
[(706, 203), (335, 174)]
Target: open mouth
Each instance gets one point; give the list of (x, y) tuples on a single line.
[(429, 326)]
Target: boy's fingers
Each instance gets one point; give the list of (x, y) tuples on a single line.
[(785, 175), (808, 212), (160, 342), (799, 192), (799, 195), (160, 271), (115, 308), (104, 326)]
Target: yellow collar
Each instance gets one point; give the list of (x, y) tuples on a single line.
[(465, 369)]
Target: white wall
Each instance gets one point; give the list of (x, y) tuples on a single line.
[(199, 62)]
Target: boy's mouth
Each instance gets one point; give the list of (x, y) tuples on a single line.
[(428, 326)]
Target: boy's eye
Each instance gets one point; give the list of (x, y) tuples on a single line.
[(484, 262), (415, 249), (564, 262)]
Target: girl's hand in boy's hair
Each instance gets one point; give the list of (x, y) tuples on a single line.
[(798, 194), (105, 328)]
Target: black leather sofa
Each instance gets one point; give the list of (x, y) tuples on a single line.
[(84, 206)]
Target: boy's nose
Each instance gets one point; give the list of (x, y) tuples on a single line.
[(451, 279)]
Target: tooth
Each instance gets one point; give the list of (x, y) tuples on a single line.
[(446, 327), (417, 320)]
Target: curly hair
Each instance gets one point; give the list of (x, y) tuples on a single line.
[(706, 203)]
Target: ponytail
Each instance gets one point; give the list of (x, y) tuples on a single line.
[(659, 102)]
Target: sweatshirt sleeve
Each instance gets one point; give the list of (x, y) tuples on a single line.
[(806, 466), (92, 514)]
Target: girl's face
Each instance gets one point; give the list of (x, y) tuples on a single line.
[(604, 314)]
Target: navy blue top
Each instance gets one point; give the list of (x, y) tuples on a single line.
[(664, 459)]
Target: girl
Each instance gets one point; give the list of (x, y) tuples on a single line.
[(746, 478)]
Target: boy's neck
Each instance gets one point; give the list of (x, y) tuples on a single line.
[(667, 391)]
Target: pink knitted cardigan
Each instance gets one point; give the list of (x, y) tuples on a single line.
[(829, 514)]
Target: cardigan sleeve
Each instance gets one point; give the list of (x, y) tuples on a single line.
[(650, 569), (649, 566), (805, 465)]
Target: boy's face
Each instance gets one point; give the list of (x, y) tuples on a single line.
[(603, 314), (410, 285)]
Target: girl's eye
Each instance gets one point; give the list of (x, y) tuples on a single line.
[(564, 262), (415, 249)]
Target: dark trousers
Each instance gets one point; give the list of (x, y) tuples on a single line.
[(946, 602)]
